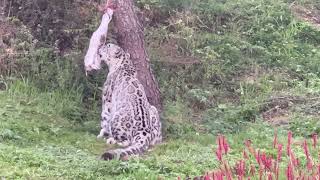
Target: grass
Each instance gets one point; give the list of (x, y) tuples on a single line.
[(37, 142)]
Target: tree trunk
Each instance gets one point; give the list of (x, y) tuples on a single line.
[(130, 37), (2, 8)]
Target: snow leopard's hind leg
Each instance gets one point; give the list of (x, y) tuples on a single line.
[(156, 135), (138, 146)]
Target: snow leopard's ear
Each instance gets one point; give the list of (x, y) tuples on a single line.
[(127, 55)]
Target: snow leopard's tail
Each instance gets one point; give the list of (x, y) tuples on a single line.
[(134, 149)]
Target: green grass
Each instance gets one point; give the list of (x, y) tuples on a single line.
[(38, 143)]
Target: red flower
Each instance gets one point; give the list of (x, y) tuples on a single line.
[(219, 151), (219, 154), (305, 148), (257, 156), (206, 177), (277, 170), (307, 153), (279, 152), (266, 161), (225, 145), (289, 172), (294, 160), (309, 164), (241, 168), (219, 143), (228, 172), (289, 143), (218, 175)]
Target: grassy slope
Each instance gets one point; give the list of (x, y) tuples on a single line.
[(38, 143), (35, 143)]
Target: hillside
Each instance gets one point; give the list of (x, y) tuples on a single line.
[(245, 69)]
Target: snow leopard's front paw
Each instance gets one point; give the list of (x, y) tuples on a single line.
[(103, 134), (111, 140)]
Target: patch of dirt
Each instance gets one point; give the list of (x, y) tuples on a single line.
[(251, 75), (310, 15), (312, 107), (168, 52), (276, 110)]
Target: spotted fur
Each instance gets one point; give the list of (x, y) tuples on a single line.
[(128, 119)]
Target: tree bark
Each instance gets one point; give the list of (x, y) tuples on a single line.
[(3, 4), (130, 37)]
